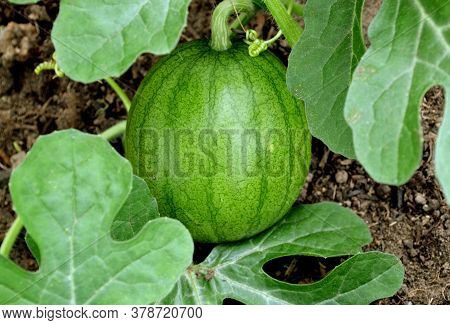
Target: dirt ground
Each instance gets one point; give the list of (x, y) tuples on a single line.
[(410, 221)]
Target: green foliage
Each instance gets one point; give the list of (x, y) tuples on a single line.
[(321, 66), (95, 229), (33, 247), (410, 52), (324, 230), (68, 211), (139, 208), (96, 39), (443, 153)]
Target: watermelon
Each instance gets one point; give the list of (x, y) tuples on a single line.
[(222, 144)]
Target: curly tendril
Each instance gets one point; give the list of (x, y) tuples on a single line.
[(255, 45)]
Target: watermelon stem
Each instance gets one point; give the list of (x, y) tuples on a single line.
[(289, 26), (119, 91), (220, 28), (297, 8), (10, 237), (114, 131)]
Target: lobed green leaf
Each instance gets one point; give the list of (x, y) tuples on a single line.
[(321, 66), (325, 230), (96, 39), (410, 52), (67, 192)]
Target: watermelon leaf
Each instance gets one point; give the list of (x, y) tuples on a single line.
[(68, 211), (33, 247), (325, 230), (101, 38), (443, 152), (139, 208), (410, 53), (321, 66)]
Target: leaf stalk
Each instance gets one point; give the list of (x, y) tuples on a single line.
[(114, 131), (120, 92), (290, 28), (10, 237)]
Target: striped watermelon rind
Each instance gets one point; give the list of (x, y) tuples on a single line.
[(222, 144)]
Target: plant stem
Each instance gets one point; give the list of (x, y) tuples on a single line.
[(119, 91), (10, 237), (290, 28), (242, 18), (114, 131), (297, 8), (220, 29)]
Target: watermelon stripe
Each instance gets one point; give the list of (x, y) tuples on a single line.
[(286, 115), (210, 123), (255, 221)]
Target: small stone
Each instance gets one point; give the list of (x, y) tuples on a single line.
[(383, 190), (404, 288), (420, 199), (426, 220), (447, 226), (341, 177), (434, 204), (346, 162), (426, 208), (412, 252), (408, 243)]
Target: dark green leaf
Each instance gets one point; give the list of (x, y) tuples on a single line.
[(321, 66), (68, 211), (139, 208), (96, 39), (325, 230), (410, 52), (33, 247)]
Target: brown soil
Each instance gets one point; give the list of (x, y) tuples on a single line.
[(410, 221)]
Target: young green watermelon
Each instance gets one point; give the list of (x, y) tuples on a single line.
[(221, 142)]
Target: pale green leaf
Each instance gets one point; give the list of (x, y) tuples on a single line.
[(139, 208), (67, 192), (410, 52), (325, 230), (443, 153), (321, 66), (23, 2), (96, 39)]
